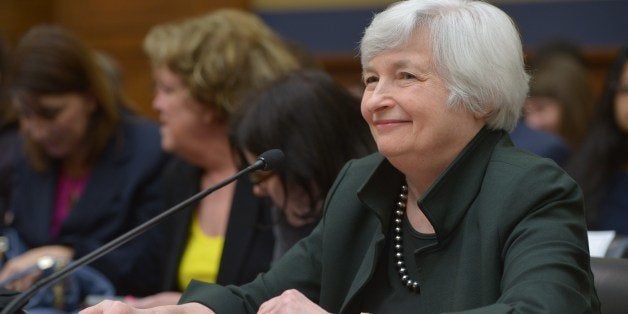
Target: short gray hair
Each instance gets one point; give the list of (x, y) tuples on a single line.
[(476, 47)]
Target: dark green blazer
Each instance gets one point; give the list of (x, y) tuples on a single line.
[(510, 229)]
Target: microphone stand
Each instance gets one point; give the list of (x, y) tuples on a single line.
[(20, 300)]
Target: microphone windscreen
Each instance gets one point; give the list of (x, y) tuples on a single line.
[(272, 159)]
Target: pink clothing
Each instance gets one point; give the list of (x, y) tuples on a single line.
[(69, 191)]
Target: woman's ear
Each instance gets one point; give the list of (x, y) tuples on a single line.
[(484, 114), (481, 115)]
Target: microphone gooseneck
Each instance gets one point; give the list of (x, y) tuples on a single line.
[(268, 160)]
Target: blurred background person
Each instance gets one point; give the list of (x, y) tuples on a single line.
[(8, 138), (318, 125), (203, 68), (561, 95), (88, 173), (541, 143), (601, 164)]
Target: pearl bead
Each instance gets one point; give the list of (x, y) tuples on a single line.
[(413, 285)]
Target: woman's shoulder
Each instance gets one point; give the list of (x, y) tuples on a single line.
[(139, 144), (521, 170), (140, 129), (519, 160)]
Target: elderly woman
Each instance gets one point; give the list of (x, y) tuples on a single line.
[(448, 216)]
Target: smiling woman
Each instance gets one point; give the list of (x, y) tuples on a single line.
[(402, 104), (447, 203)]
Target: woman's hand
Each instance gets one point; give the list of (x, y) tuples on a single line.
[(159, 299), (117, 307), (29, 259), (109, 306), (290, 301)]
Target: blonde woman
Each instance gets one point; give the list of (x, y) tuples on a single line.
[(203, 68)]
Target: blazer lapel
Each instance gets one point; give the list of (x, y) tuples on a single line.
[(379, 199), (41, 200), (366, 268), (240, 232), (100, 195), (183, 183)]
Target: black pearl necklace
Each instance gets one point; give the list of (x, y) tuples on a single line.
[(411, 284)]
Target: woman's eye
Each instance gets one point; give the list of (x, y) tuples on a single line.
[(160, 87), (164, 89), (407, 76), (49, 113), (370, 79)]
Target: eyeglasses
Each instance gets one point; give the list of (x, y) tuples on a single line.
[(260, 176)]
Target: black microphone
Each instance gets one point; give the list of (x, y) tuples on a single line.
[(268, 160)]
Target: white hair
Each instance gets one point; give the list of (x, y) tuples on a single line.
[(476, 47)]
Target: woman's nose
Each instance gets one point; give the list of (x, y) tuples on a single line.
[(380, 97), (157, 102), (34, 128)]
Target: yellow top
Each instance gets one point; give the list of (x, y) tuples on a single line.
[(201, 258)]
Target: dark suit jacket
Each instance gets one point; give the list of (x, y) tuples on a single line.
[(249, 241), (9, 150), (510, 238), (123, 189), (541, 143)]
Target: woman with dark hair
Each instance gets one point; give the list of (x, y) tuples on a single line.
[(561, 99), (89, 173), (601, 165), (318, 125)]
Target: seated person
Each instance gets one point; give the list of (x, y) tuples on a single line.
[(601, 164), (88, 173), (227, 236), (305, 112), (540, 142), (448, 216)]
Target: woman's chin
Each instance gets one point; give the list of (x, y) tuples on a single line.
[(167, 145), (389, 151)]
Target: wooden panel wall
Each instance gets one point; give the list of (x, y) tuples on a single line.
[(17, 16), (116, 27), (599, 63)]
